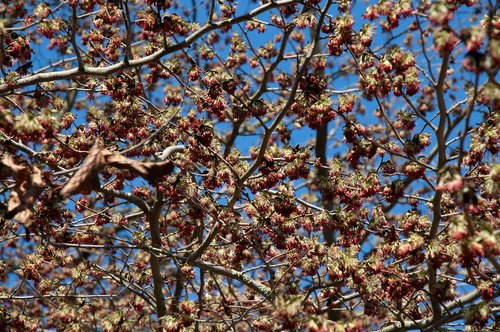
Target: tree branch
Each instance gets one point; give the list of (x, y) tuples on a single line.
[(436, 202), (106, 71), (239, 186), (154, 227)]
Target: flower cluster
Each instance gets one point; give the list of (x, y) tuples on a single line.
[(16, 49), (396, 70), (257, 181)]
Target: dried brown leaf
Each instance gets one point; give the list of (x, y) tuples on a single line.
[(37, 184), (10, 167), (86, 178), (28, 186), (148, 170)]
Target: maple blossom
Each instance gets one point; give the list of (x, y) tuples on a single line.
[(272, 165)]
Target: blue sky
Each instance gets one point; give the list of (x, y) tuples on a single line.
[(305, 135)]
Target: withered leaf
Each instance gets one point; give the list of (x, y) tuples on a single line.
[(147, 170), (28, 186), (86, 178), (10, 168)]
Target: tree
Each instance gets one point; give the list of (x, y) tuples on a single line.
[(267, 165)]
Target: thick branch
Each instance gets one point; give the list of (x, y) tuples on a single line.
[(106, 71), (436, 203), (154, 227)]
